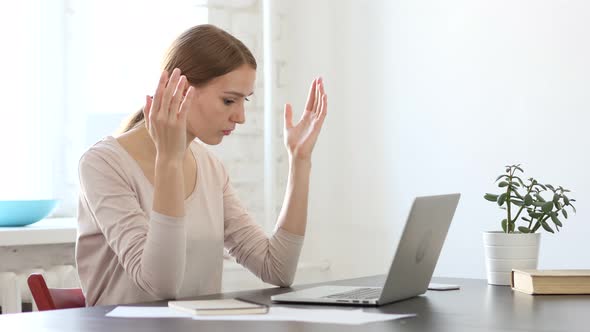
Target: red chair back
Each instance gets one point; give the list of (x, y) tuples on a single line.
[(54, 298)]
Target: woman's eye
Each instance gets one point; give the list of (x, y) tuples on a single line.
[(228, 101), (247, 99)]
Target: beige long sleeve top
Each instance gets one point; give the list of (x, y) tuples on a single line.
[(127, 253)]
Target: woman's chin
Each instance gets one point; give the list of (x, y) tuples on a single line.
[(211, 140)]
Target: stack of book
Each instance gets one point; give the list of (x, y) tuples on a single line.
[(551, 281)]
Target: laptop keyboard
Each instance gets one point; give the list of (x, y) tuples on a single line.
[(357, 294)]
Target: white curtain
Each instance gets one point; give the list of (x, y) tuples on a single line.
[(23, 171), (72, 71)]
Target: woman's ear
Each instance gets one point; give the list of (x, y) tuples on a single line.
[(196, 91), (186, 90)]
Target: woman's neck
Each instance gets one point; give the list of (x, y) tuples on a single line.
[(141, 142)]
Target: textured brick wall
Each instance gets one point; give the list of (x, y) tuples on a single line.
[(281, 79), (243, 152)]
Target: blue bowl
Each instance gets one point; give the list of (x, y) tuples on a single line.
[(26, 212)]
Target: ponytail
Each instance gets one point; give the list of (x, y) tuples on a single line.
[(134, 121)]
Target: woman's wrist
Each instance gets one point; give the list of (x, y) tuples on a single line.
[(166, 161), (299, 163)]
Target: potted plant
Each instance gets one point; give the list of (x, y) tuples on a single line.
[(530, 206)]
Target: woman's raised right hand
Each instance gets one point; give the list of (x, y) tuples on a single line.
[(165, 116)]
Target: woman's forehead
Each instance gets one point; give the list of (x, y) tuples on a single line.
[(240, 80)]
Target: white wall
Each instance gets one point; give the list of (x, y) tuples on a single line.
[(349, 203), (434, 97)]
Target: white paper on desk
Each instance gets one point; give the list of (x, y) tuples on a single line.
[(147, 312), (330, 316)]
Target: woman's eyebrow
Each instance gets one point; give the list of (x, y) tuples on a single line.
[(235, 93)]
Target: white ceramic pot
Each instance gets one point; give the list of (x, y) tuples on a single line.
[(505, 252)]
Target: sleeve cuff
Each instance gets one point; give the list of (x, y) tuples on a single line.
[(167, 220)]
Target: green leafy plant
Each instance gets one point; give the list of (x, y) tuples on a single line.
[(519, 197)]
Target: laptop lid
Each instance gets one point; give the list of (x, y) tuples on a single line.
[(412, 265), (419, 247)]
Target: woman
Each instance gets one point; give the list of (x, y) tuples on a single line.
[(156, 208)]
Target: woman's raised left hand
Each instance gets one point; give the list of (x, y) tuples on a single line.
[(301, 138)]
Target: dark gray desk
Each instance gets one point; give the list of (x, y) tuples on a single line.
[(476, 307)]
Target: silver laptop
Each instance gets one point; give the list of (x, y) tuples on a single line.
[(413, 263)]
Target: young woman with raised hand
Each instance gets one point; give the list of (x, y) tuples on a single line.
[(156, 208)]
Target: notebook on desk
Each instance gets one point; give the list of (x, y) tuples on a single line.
[(219, 307), (413, 263)]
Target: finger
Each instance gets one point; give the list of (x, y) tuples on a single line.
[(317, 99), (185, 105), (169, 91), (178, 97), (323, 93), (324, 108), (319, 122), (310, 96), (288, 116), (146, 110), (157, 100)]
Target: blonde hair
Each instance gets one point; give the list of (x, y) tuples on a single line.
[(202, 53)]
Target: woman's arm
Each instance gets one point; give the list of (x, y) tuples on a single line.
[(300, 141), (293, 216), (274, 259), (166, 123), (151, 247)]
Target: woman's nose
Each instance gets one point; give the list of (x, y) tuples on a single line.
[(239, 116)]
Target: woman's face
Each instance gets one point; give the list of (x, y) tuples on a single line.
[(218, 106)]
